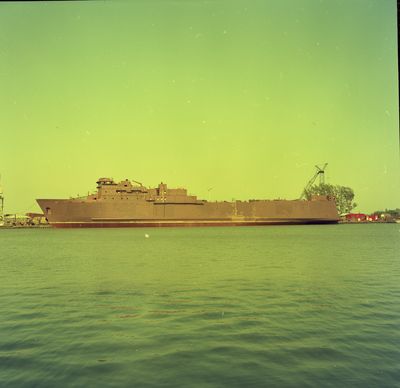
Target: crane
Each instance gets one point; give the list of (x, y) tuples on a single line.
[(139, 183), (319, 171)]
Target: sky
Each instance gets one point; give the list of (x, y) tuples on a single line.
[(230, 99)]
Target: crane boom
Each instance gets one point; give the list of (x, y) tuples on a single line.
[(320, 171)]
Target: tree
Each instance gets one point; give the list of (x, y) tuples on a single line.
[(395, 213), (343, 195)]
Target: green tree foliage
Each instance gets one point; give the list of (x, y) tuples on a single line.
[(392, 212), (343, 195)]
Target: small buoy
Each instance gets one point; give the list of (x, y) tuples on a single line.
[(146, 235)]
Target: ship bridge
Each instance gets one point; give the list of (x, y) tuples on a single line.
[(105, 181)]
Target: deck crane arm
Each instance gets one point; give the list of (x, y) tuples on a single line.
[(139, 183), (320, 171)]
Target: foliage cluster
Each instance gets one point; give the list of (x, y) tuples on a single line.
[(395, 213), (344, 196)]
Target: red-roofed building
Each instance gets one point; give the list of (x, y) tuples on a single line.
[(361, 217)]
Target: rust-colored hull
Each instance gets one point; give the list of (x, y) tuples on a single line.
[(125, 205), (182, 224)]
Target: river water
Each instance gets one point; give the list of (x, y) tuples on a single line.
[(284, 306)]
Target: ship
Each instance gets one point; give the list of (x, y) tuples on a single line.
[(129, 203)]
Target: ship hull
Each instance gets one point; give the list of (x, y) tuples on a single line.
[(84, 214), (183, 224)]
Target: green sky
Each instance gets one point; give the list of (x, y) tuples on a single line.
[(241, 96)]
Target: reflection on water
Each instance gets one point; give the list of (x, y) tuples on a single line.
[(257, 306)]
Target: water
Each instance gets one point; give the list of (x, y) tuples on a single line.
[(201, 307)]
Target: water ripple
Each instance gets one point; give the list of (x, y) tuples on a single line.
[(253, 307)]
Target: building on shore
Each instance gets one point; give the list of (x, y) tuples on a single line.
[(362, 217), (37, 219), (27, 220)]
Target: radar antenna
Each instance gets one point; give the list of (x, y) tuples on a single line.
[(321, 172)]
